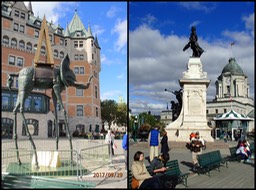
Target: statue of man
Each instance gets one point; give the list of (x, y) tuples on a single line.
[(197, 50)]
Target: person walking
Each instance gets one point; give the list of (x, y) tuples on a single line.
[(196, 149), (109, 139), (125, 146), (154, 142), (165, 147)]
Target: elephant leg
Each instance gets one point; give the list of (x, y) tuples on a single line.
[(15, 130), (54, 99), (57, 91), (30, 139)]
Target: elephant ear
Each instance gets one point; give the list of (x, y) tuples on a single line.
[(66, 74)]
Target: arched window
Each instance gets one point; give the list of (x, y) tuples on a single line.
[(21, 44), (14, 42), (61, 54), (56, 53), (6, 40), (32, 127), (29, 46)]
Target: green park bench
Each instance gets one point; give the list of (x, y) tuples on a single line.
[(233, 156), (174, 170), (210, 160), (19, 181)]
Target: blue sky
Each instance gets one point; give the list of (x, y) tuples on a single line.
[(158, 31), (108, 20)]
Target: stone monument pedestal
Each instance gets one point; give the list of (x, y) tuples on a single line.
[(193, 113), (47, 158)]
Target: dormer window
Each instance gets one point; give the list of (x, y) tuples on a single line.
[(78, 33), (38, 23)]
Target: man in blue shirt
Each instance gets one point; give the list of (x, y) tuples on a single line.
[(125, 146), (154, 142)]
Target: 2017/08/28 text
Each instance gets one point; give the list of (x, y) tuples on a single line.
[(108, 174)]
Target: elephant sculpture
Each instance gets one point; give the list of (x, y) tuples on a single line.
[(44, 77)]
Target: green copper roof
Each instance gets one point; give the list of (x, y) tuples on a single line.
[(74, 26), (233, 67)]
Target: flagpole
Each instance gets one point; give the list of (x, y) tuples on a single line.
[(231, 54)]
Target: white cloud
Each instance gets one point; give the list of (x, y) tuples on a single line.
[(121, 29), (195, 23), (112, 12), (54, 11), (110, 95), (121, 76), (149, 19), (97, 30), (206, 7), (152, 68)]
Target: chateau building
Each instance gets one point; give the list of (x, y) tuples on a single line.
[(20, 33)]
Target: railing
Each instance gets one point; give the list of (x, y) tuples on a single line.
[(87, 155)]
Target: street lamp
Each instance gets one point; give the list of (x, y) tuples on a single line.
[(135, 121)]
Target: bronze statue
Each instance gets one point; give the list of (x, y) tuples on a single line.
[(193, 44), (44, 77)]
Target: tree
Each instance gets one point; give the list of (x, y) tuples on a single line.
[(121, 115), (108, 111)]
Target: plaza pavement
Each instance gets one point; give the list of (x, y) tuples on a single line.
[(237, 175)]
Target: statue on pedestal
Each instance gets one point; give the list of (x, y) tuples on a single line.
[(193, 44), (176, 107)]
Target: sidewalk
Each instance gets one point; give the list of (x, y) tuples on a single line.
[(237, 175)]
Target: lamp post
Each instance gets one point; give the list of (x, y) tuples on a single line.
[(135, 128)]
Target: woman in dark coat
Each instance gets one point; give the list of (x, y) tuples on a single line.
[(164, 147)]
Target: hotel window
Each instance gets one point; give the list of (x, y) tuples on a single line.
[(79, 92), (14, 42), (38, 103), (97, 112), (76, 56), (225, 110), (81, 44), (36, 33), (61, 54), (55, 53), (81, 56), (81, 70), (92, 56), (21, 28), (216, 110), (28, 103), (20, 62), (38, 23), (5, 101), (75, 44), (22, 15), (79, 110), (50, 37), (22, 44), (96, 92), (92, 43), (43, 50), (76, 70), (29, 46), (6, 40), (61, 42), (66, 42), (11, 60), (16, 13), (15, 27)]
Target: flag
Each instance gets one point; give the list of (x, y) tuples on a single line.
[(233, 43)]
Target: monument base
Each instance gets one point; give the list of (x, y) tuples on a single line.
[(47, 158), (66, 169)]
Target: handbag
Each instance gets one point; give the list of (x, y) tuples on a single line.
[(114, 146), (135, 183)]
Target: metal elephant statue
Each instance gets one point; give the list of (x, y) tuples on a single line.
[(44, 77)]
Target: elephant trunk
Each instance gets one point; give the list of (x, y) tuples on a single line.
[(82, 86)]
